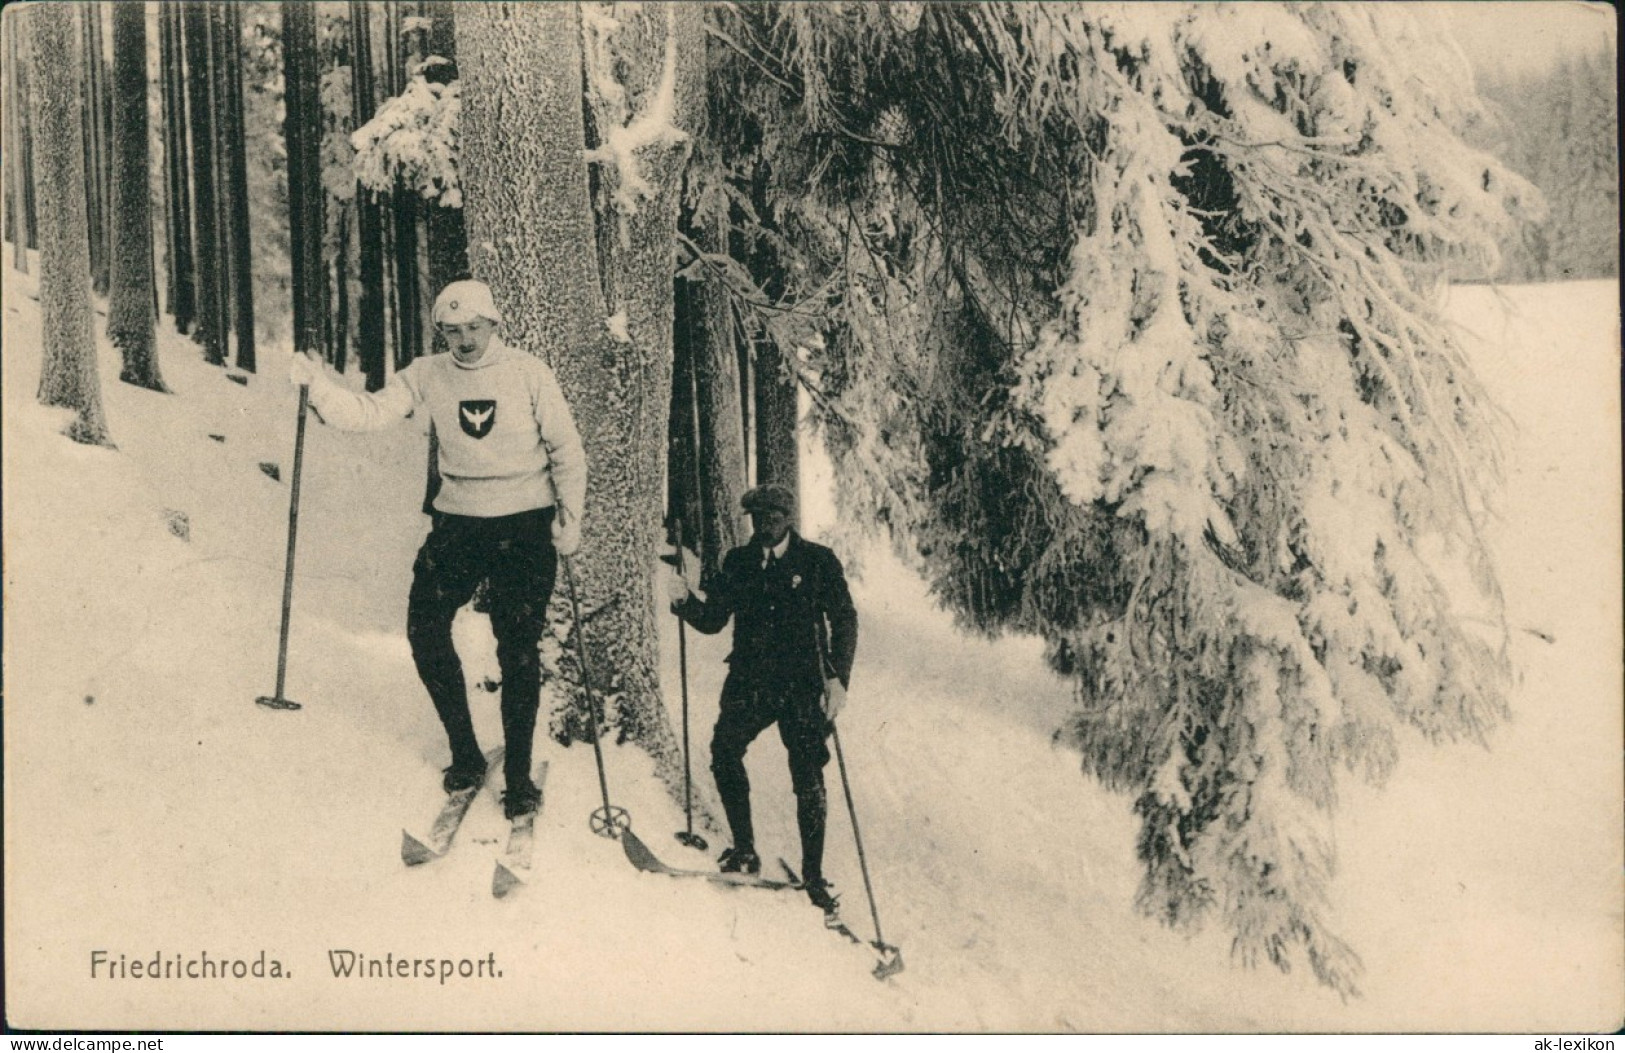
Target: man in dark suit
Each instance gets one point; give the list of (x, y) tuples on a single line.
[(795, 636)]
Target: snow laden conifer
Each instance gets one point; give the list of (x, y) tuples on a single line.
[(1127, 330), (413, 139)]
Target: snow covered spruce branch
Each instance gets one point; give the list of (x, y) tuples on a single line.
[(1144, 358), (624, 127), (413, 139)]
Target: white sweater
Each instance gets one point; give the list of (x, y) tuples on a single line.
[(508, 442)]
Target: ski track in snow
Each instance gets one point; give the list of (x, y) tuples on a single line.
[(151, 806)]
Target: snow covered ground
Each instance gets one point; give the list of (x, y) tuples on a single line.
[(151, 809)]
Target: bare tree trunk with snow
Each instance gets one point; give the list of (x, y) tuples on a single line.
[(778, 450), (18, 188), (24, 141), (302, 130), (446, 233), (720, 442), (683, 486), (775, 436), (68, 375), (97, 132), (372, 332), (7, 120), (130, 318), (210, 264), (532, 236), (234, 217), (406, 208), (180, 295)]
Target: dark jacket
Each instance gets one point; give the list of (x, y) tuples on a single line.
[(782, 616)]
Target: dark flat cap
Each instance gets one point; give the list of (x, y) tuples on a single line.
[(769, 497)]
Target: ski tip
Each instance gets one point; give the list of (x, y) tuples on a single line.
[(504, 881), (638, 853), (414, 852)]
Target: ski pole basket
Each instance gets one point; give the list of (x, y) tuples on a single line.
[(609, 820)]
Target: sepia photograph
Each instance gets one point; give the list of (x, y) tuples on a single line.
[(812, 518)]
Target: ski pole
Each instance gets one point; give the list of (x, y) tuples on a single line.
[(891, 958), (609, 819), (686, 836), (277, 701)]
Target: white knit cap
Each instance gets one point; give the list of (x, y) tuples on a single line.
[(461, 302)]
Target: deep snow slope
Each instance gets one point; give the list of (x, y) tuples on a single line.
[(152, 810)]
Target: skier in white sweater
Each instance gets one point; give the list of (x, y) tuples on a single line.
[(513, 481)]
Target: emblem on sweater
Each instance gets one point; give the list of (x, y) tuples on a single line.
[(477, 416)]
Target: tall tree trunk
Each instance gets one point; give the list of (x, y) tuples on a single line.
[(104, 71), (18, 182), (522, 137), (223, 191), (447, 234), (130, 313), (89, 125), (406, 212), (660, 48), (165, 206), (338, 248), (8, 122), (405, 206), (211, 334), (338, 334), (68, 376), (181, 268), (8, 127), (372, 331), (721, 429), (448, 246), (25, 133), (684, 487), (235, 153), (777, 440), (778, 448), (97, 132), (408, 309), (302, 130)]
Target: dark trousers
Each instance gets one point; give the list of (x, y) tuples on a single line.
[(515, 554), (748, 708)]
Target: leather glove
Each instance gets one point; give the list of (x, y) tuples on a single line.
[(676, 586), (304, 370), (689, 568), (834, 698), (566, 535)]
